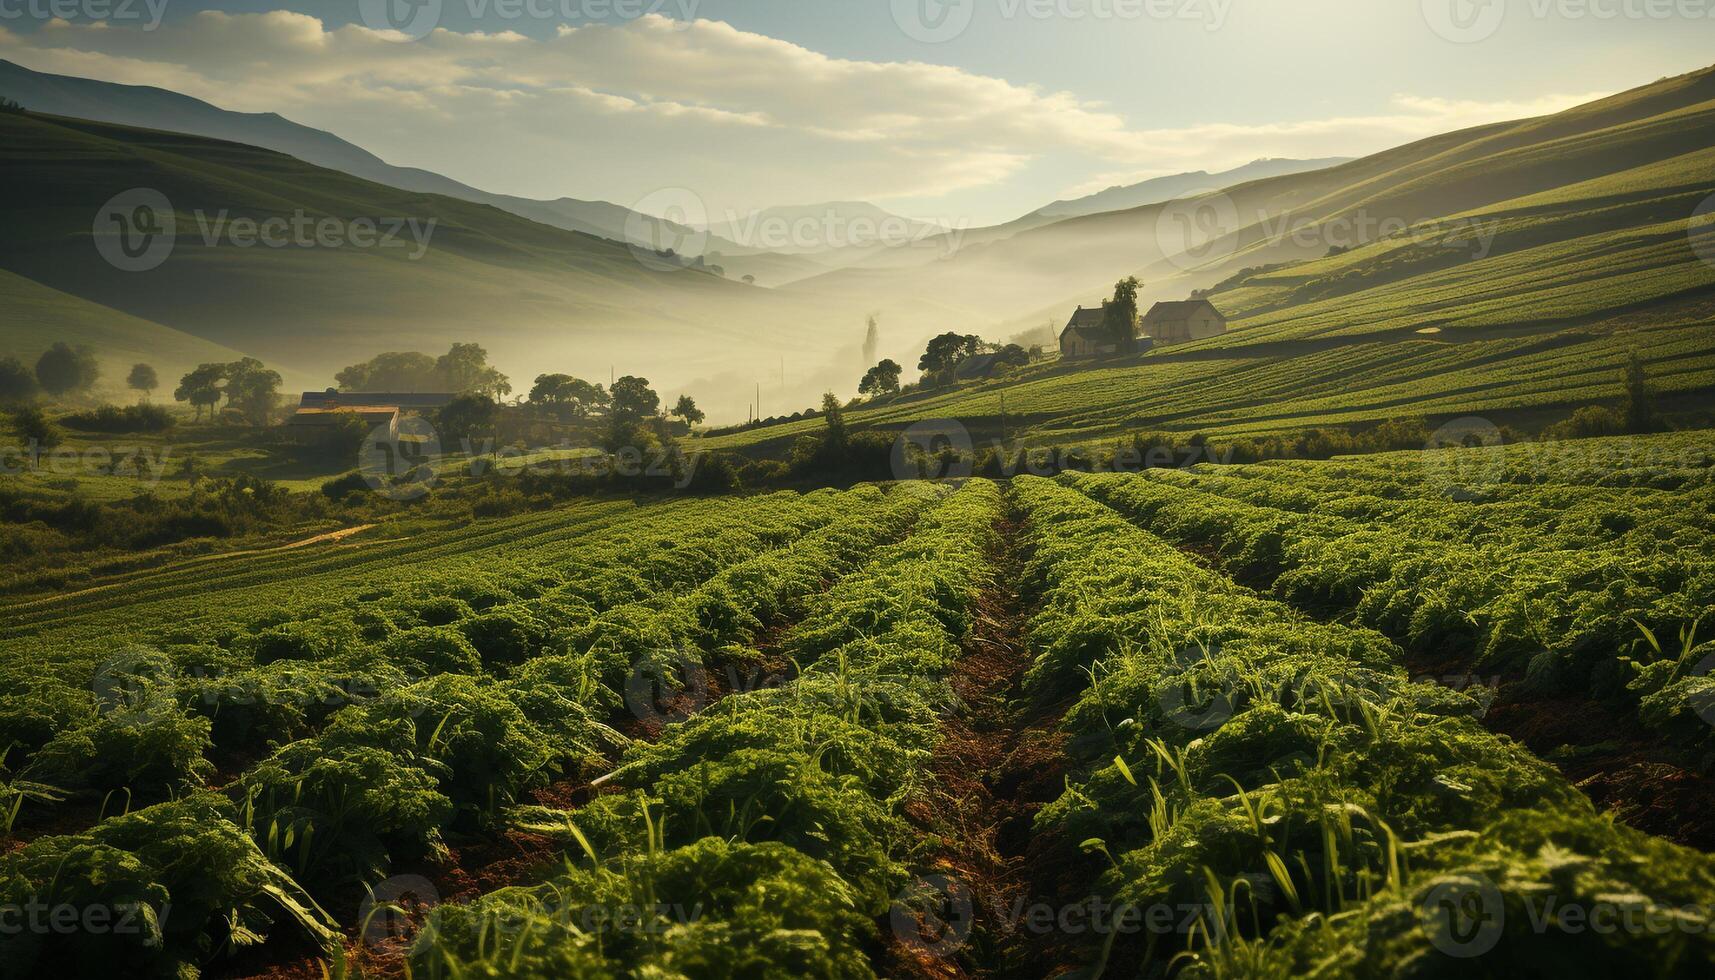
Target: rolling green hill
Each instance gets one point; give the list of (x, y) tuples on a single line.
[(538, 297), (119, 340), (1528, 259)]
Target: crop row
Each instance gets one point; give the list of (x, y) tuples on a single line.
[(765, 835), (1603, 598), (1315, 809), (395, 715)]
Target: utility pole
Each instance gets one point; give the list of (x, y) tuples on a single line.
[(759, 400)]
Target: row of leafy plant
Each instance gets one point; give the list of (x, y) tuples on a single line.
[(1579, 590), (1270, 796), (386, 719), (765, 835)]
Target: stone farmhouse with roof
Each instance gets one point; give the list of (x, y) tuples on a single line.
[(320, 413), (1186, 320), (1085, 337)]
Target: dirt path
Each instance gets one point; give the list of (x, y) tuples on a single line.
[(999, 761), (330, 537)]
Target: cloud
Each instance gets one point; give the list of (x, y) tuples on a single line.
[(616, 109), (620, 110)]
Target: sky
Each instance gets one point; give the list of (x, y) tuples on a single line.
[(962, 112)]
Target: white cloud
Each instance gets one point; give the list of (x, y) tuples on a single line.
[(617, 111), (611, 109)]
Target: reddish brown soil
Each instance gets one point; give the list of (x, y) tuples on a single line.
[(1622, 766), (998, 762)]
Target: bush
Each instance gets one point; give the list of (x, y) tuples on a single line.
[(131, 418), (33, 426), (1587, 422)]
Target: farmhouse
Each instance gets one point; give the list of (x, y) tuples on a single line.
[(403, 401), (1176, 323), (308, 425), (320, 413), (1085, 336)]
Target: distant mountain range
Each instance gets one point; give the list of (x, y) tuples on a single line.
[(155, 108), (773, 246), (1159, 189)]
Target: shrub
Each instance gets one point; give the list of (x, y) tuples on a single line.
[(131, 418)]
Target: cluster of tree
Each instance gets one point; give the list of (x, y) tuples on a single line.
[(61, 371), (883, 379), (249, 388), (11, 107), (630, 402), (462, 370), (943, 355)]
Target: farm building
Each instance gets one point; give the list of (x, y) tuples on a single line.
[(1085, 336), (310, 425), (403, 401), (1176, 323)]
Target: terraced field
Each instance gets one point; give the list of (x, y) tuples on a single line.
[(1240, 721)]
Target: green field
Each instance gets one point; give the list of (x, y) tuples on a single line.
[(1523, 261), (1269, 712)]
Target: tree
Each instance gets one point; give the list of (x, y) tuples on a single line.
[(566, 395), (946, 351), (1013, 354), (407, 371), (11, 107), (871, 339), (1640, 404), (883, 379), (466, 417), (252, 389), (1119, 315), (201, 387), (633, 401), (34, 427), (687, 410), (65, 369), (838, 437), (143, 378), (465, 370), (17, 382)]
